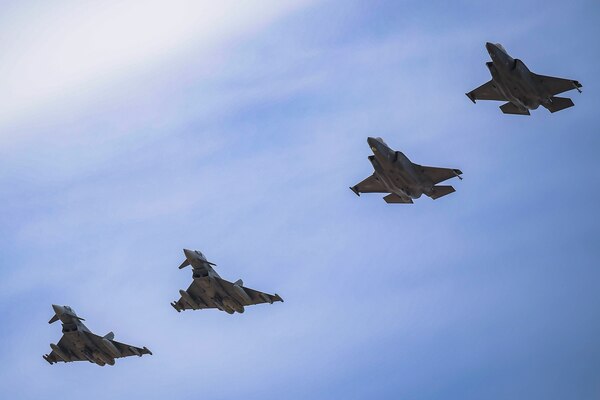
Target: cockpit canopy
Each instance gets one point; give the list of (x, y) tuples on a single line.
[(381, 140), (501, 48)]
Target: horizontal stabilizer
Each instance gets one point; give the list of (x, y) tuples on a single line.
[(439, 191), (53, 319), (510, 108), (395, 199), (184, 264), (559, 103)]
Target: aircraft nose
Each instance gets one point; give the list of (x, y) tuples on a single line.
[(57, 309), (189, 253), (372, 142), (491, 47)]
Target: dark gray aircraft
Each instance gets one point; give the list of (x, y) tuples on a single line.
[(209, 290), (79, 344), (404, 180), (512, 81)]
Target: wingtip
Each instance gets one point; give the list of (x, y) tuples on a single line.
[(278, 297), (356, 192), (470, 96)]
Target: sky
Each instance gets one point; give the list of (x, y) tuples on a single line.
[(131, 130)]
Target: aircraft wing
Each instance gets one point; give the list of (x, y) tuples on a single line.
[(199, 300), (252, 296), (195, 298), (128, 350), (487, 91), (63, 344), (52, 358), (125, 350), (557, 85), (370, 185), (438, 175)]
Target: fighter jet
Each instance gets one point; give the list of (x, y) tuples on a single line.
[(209, 290), (512, 81), (79, 344), (403, 179)]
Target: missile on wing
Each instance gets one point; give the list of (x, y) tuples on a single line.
[(112, 349), (100, 356), (240, 292), (188, 299), (59, 352)]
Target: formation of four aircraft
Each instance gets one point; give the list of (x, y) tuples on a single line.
[(394, 173)]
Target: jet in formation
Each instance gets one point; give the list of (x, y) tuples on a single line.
[(403, 179), (512, 81), (79, 344), (209, 290)]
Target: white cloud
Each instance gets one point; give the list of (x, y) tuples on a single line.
[(48, 51)]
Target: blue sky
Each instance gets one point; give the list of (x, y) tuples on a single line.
[(129, 132)]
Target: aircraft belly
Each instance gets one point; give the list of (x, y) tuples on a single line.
[(78, 343), (527, 95), (200, 293), (386, 182), (220, 290), (403, 184), (208, 291), (87, 342), (504, 85), (522, 92), (503, 91), (206, 285), (75, 339)]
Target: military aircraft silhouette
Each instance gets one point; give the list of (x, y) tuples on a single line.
[(512, 81), (78, 343), (209, 290), (403, 179)]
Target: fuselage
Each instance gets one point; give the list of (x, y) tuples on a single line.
[(514, 80), (397, 173)]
